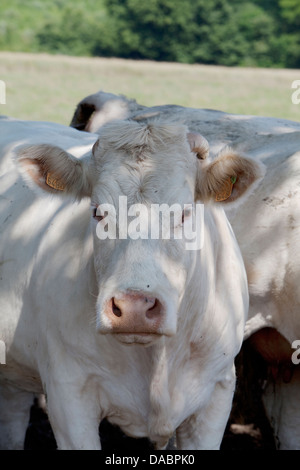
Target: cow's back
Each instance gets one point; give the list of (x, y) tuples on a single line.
[(268, 231), (30, 226)]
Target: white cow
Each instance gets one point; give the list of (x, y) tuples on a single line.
[(141, 331), (267, 226)]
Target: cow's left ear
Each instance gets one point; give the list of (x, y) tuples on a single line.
[(55, 171), (228, 178)]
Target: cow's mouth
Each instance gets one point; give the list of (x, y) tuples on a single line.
[(144, 339)]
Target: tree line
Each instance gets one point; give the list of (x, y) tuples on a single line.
[(263, 33)]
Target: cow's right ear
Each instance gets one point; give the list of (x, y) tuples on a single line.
[(55, 171), (228, 179)]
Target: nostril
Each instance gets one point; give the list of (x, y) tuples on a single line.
[(116, 310), (154, 311)]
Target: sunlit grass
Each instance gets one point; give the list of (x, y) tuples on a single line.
[(48, 87)]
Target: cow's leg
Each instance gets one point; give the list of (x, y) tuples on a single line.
[(74, 415), (15, 407), (204, 430), (282, 403)]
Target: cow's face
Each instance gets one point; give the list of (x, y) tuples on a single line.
[(145, 183), (142, 200)]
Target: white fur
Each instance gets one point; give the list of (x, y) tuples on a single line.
[(267, 227), (55, 271)]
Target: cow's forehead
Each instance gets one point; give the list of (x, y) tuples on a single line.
[(145, 162), (151, 178), (137, 142), (142, 183)]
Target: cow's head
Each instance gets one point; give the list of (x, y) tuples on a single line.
[(99, 108), (142, 265)]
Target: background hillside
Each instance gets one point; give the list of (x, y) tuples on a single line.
[(48, 87), (263, 33)]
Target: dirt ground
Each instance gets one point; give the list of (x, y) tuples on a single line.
[(247, 429)]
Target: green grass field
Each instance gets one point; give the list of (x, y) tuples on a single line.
[(48, 87)]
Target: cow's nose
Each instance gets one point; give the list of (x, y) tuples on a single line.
[(135, 303), (135, 313)]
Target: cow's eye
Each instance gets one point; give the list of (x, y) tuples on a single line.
[(97, 216), (186, 213)]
